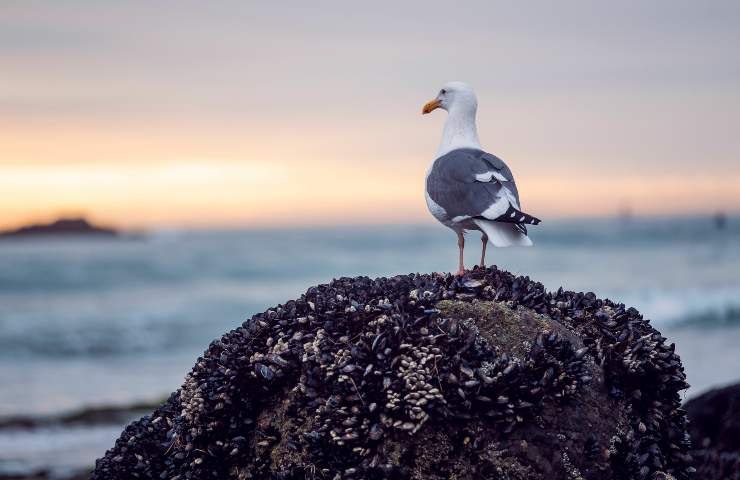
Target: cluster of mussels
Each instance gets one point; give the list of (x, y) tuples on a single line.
[(359, 362)]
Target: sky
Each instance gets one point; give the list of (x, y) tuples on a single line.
[(236, 113)]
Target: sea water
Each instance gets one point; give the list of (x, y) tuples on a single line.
[(88, 322)]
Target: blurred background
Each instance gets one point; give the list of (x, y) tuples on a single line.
[(244, 151)]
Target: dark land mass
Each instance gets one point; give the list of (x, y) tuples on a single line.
[(429, 377), (103, 415), (63, 226), (44, 475)]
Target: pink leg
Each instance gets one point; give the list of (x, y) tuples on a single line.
[(461, 246), (484, 239)]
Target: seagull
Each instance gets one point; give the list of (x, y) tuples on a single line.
[(468, 188)]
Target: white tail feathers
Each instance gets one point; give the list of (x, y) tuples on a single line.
[(503, 234)]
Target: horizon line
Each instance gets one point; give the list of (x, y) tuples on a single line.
[(419, 222)]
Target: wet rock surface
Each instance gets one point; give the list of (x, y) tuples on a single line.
[(714, 425), (423, 377)]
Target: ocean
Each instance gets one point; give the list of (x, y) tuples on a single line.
[(90, 323)]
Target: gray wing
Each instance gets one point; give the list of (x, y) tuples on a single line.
[(471, 183)]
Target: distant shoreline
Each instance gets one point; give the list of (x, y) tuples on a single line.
[(86, 416), (60, 227), (93, 416)]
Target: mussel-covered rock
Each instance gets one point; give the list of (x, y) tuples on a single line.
[(714, 425), (423, 377)]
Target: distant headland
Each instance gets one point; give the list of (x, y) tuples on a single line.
[(61, 226)]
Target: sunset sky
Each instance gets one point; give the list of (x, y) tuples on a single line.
[(235, 113)]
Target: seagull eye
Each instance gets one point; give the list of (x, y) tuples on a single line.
[(442, 92)]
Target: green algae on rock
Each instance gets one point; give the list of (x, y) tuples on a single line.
[(422, 377)]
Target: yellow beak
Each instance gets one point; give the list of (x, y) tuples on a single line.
[(434, 104)]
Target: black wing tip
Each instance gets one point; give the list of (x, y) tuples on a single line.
[(516, 216)]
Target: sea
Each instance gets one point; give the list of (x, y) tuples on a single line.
[(90, 323)]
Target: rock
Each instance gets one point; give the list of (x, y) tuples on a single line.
[(99, 415), (423, 377), (62, 226), (45, 475), (714, 425)]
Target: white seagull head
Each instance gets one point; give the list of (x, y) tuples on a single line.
[(461, 104), (454, 96)]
